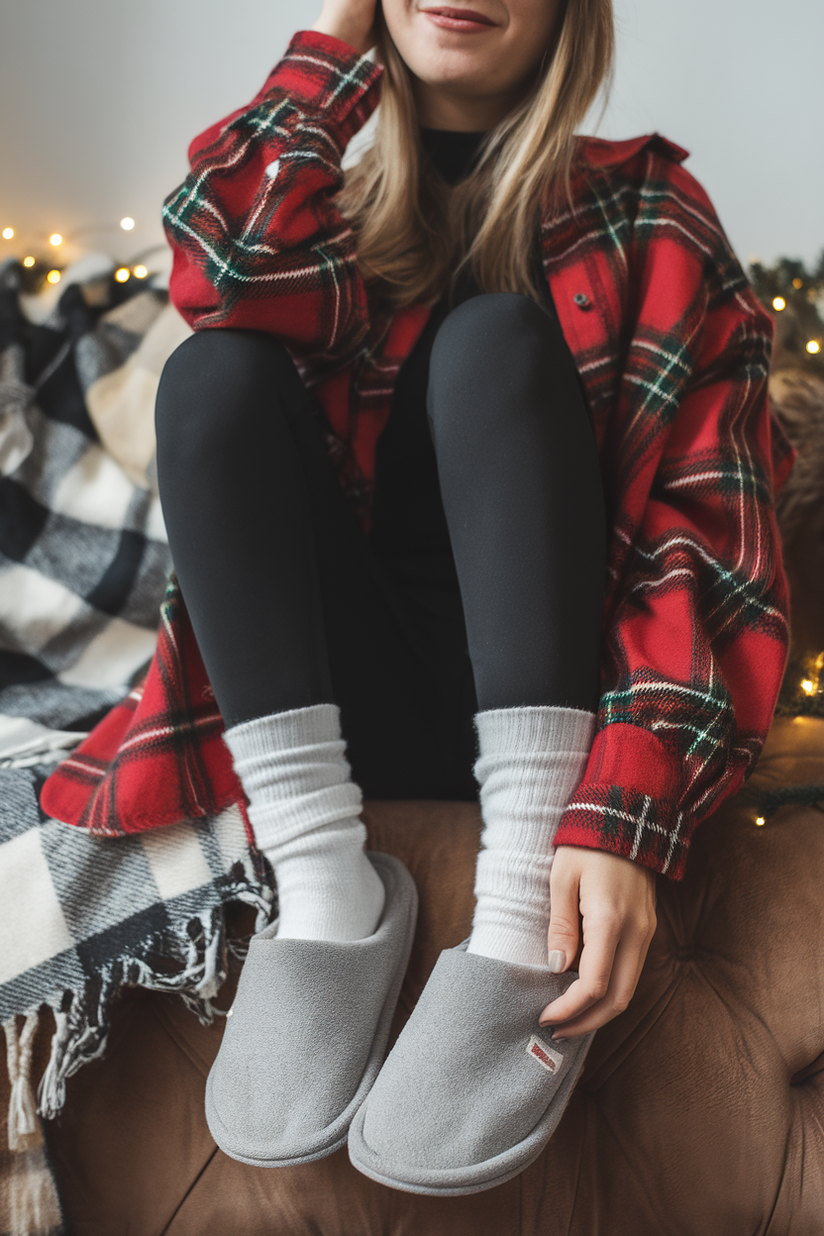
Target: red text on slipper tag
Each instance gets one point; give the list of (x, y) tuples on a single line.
[(546, 1057)]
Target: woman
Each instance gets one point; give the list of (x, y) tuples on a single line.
[(565, 535)]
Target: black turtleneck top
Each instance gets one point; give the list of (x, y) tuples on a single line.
[(453, 154)]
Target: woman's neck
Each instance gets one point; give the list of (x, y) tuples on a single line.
[(438, 107)]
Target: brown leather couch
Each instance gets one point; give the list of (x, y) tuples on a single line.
[(700, 1111)]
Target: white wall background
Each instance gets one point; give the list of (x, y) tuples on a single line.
[(99, 99)]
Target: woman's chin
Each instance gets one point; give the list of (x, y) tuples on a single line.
[(460, 71)]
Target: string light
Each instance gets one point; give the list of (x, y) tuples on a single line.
[(798, 283), (8, 233), (28, 261), (779, 303), (55, 239), (127, 224), (122, 274), (140, 272), (760, 821), (811, 685), (53, 276), (813, 347)]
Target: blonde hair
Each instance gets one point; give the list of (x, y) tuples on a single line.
[(414, 232)]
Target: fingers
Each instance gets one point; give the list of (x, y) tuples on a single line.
[(351, 21), (594, 974), (616, 901), (628, 962), (564, 924)]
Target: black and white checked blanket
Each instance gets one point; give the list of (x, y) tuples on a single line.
[(83, 568)]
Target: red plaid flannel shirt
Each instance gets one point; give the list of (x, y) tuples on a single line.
[(673, 350)]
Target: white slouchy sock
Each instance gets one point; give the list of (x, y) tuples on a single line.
[(531, 762), (304, 809)]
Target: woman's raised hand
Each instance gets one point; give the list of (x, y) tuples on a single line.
[(614, 901), (351, 21)]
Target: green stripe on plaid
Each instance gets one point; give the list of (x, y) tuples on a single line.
[(631, 824)]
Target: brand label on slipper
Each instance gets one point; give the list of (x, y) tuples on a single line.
[(546, 1057)]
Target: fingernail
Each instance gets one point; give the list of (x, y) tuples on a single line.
[(557, 961), (545, 1025), (559, 1038)]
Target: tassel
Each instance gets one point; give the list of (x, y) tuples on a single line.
[(24, 1130)]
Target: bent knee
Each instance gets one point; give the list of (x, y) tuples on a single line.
[(496, 355), (490, 326), (215, 386)]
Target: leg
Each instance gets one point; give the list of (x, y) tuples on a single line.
[(453, 1110), (254, 514), (237, 511), (524, 502), (523, 498), (235, 458), (270, 557)]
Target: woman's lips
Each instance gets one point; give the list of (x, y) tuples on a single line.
[(465, 20)]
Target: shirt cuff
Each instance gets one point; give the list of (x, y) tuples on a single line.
[(323, 75), (650, 831), (630, 801)]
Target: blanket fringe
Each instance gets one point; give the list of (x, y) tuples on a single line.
[(82, 1017), (24, 1130)]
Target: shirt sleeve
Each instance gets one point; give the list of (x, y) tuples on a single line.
[(697, 631), (258, 240)]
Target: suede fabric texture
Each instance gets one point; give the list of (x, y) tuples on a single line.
[(307, 1034), (474, 1088)]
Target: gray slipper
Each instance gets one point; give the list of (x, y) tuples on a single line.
[(473, 1088), (307, 1034)]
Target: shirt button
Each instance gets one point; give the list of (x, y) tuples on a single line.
[(583, 302)]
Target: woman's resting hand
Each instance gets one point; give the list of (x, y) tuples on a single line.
[(351, 21), (602, 920)]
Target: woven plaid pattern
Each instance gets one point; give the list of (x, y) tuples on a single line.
[(173, 715), (276, 255), (83, 553), (672, 348)]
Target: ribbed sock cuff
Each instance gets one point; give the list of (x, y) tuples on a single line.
[(531, 761)]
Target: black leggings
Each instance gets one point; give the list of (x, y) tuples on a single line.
[(293, 604)]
